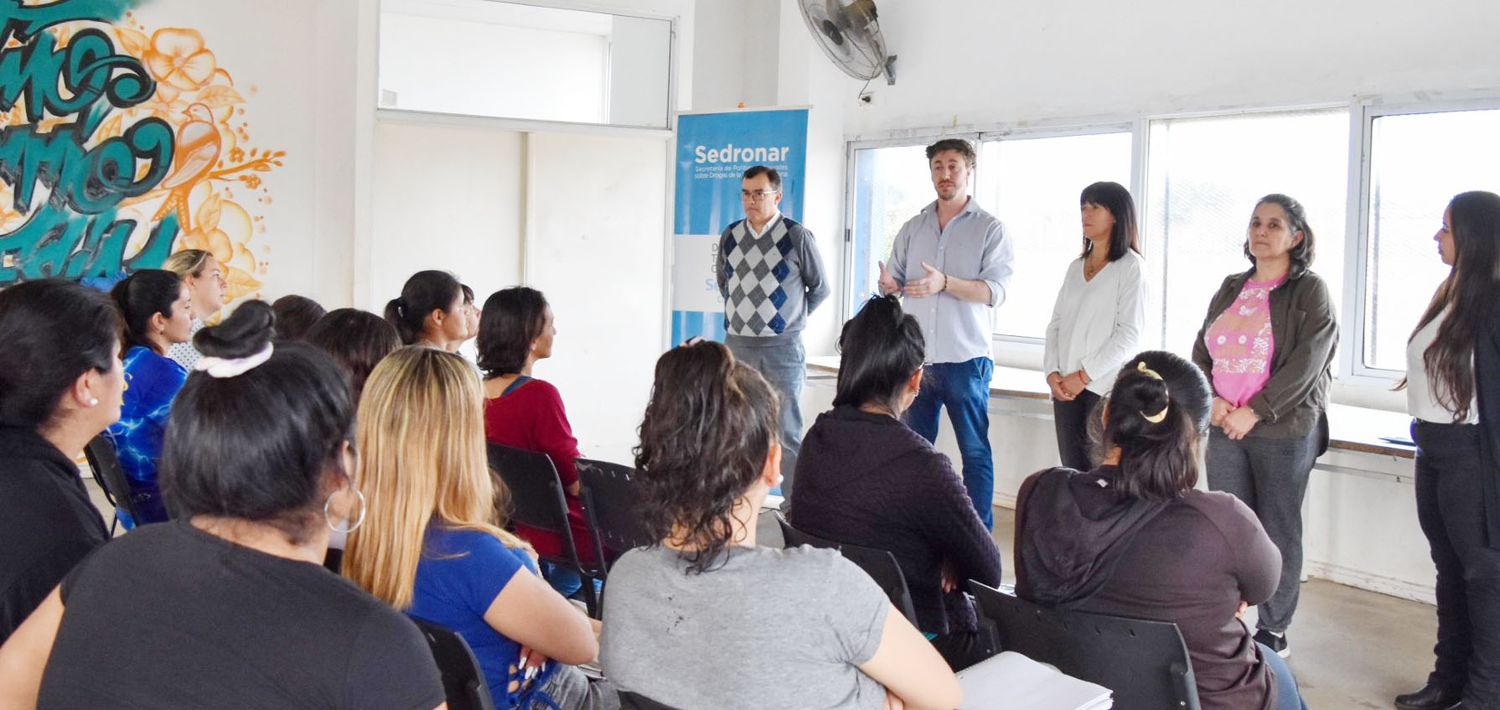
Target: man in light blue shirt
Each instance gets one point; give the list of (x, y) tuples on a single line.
[(952, 263)]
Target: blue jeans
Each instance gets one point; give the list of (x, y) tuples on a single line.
[(784, 365), (1287, 695), (964, 388)]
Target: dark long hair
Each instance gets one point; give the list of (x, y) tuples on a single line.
[(259, 446), (141, 295), (357, 340), (53, 331), (1158, 459), (294, 316), (708, 428), (511, 320), (1114, 197), (1470, 289), (1296, 219), (880, 348), (424, 292)]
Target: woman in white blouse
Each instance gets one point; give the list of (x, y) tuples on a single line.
[(1450, 387), (1096, 323)]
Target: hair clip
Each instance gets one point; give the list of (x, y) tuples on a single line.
[(1161, 416), (1158, 417), (1141, 368)]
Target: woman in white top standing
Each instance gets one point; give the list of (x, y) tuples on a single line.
[(1097, 322), (1447, 387)]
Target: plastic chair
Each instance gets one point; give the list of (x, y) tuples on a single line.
[(881, 565), (463, 679), (1145, 663), (537, 501), (105, 463), (613, 506)]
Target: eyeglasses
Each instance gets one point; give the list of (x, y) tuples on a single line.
[(756, 195)]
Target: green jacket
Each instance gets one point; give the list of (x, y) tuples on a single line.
[(1306, 333)]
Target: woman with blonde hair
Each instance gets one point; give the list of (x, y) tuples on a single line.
[(204, 277), (431, 546)]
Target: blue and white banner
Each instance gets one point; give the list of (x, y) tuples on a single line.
[(713, 151)]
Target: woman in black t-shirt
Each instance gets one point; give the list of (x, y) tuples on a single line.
[(60, 385), (228, 606)]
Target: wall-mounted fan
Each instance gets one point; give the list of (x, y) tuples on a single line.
[(849, 33)]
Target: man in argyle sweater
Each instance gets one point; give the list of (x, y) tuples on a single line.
[(771, 278)]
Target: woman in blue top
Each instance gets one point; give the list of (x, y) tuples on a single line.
[(157, 310), (431, 546)]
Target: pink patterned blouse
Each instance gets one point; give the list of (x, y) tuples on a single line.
[(1240, 343)]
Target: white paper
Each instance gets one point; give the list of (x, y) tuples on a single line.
[(1011, 680)]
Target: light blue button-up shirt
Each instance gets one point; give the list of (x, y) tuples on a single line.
[(973, 246)]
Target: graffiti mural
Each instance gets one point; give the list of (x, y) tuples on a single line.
[(119, 144)]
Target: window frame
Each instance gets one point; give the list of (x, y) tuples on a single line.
[(1351, 304), (1359, 251), (1034, 345)]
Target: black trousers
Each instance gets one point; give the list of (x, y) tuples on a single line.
[(1451, 512), (1071, 419)]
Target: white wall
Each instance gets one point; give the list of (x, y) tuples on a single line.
[(447, 197), (595, 245)]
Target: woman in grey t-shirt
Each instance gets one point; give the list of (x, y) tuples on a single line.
[(706, 618)]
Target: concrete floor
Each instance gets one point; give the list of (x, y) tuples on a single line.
[(1350, 648)]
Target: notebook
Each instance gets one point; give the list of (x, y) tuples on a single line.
[(1011, 680)]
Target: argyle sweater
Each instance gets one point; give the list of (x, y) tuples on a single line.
[(769, 283)]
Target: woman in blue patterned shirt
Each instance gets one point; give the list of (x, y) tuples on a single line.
[(156, 307)]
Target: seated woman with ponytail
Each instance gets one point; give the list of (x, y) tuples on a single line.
[(866, 479), (705, 619), (228, 605), (432, 548), (156, 307), (1133, 538), (431, 311)]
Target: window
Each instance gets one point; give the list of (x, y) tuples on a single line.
[(1032, 185), (1204, 178), (890, 186), (509, 60), (1418, 162)]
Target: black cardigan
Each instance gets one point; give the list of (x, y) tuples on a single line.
[(868, 480), (47, 523), (1487, 390)]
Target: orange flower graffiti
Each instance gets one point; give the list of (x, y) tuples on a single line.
[(212, 155)]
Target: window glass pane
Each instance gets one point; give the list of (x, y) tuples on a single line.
[(486, 58), (890, 186), (1417, 164), (1204, 178), (1032, 185)]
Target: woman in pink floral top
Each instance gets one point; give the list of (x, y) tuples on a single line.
[(1266, 345)]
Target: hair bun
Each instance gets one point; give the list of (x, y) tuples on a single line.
[(245, 332)]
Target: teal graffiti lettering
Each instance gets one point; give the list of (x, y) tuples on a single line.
[(76, 232)]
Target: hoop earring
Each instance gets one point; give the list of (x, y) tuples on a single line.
[(347, 527)]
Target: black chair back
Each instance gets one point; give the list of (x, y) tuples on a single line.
[(463, 679), (636, 701), (613, 505), (537, 501), (881, 565), (105, 463), (1145, 663)]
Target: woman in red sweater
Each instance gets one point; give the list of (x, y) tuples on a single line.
[(516, 330)]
